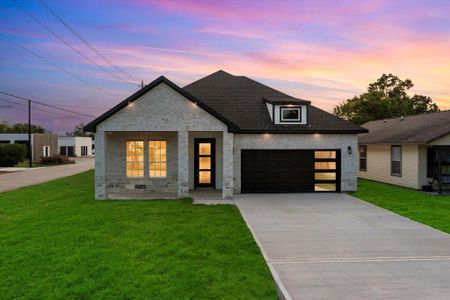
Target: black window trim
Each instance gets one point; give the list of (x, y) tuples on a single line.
[(365, 157), (401, 158), (299, 108)]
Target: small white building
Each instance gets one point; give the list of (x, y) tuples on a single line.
[(75, 146)]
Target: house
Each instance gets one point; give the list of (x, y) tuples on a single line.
[(407, 151), (42, 144), (75, 146), (222, 132)]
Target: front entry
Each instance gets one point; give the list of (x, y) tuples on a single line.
[(205, 162)]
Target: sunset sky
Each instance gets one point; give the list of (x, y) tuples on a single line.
[(317, 50)]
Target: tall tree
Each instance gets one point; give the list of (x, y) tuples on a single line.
[(20, 128), (385, 98), (78, 131)]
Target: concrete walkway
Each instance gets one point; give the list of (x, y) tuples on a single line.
[(333, 246), (39, 175)]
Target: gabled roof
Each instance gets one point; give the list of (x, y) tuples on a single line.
[(243, 101), (419, 129), (240, 102), (91, 127)]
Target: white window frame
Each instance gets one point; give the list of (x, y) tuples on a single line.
[(362, 158), (283, 108), (399, 174), (44, 152), (136, 162), (150, 162)]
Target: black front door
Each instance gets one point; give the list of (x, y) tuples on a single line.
[(205, 162)]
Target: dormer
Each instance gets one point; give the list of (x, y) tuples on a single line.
[(290, 111)]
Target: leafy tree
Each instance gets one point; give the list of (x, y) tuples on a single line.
[(78, 131), (20, 128), (385, 98)]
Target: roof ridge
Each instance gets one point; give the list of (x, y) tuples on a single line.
[(409, 116)]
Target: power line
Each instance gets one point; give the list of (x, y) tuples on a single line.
[(69, 45), (60, 19), (48, 105), (40, 109), (56, 66)]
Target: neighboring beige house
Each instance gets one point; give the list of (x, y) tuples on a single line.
[(222, 132), (42, 144), (409, 151)]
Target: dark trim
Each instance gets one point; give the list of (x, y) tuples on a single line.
[(294, 101), (401, 161), (91, 127), (196, 162), (306, 130), (291, 107)]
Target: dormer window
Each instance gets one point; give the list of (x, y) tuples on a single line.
[(290, 114)]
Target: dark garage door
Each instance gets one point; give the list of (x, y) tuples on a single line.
[(290, 171)]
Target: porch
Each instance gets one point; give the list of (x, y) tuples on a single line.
[(164, 164)]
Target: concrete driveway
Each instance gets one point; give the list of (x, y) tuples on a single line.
[(34, 176), (333, 246)]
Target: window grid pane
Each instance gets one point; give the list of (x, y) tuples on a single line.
[(135, 158), (157, 158)]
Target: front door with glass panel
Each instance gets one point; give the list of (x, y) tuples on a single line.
[(204, 162)]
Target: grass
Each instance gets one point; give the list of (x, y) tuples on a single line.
[(25, 164), (432, 210), (57, 242)]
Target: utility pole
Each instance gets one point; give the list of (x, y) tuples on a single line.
[(29, 133)]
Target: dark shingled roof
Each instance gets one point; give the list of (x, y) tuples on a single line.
[(243, 101), (240, 102), (420, 129)]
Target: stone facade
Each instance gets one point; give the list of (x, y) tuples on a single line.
[(163, 113)]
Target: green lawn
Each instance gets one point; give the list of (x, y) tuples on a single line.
[(57, 242), (428, 209)]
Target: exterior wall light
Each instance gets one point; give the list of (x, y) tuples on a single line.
[(350, 151)]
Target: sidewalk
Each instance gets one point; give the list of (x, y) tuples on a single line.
[(34, 176)]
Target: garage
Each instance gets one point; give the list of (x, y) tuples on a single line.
[(290, 171)]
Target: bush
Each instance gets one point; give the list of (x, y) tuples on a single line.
[(12, 154), (56, 160)]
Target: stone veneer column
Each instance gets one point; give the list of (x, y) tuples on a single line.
[(227, 176), (183, 170), (100, 166)]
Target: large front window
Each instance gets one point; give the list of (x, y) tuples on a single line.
[(158, 158), (135, 158)]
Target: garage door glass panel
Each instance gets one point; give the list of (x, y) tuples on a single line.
[(325, 165), (325, 187), (325, 154), (325, 176)]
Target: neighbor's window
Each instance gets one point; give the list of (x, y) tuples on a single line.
[(290, 114), (46, 151), (158, 158), (396, 160), (363, 158), (135, 158)]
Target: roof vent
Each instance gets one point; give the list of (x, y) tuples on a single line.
[(384, 121), (401, 118)]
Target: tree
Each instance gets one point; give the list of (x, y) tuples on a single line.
[(78, 131), (20, 128), (385, 98)]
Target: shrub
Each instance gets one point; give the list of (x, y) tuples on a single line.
[(56, 160), (12, 154)]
